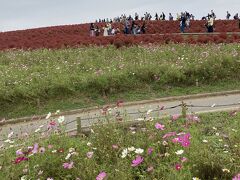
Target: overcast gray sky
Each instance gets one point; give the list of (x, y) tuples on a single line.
[(25, 14)]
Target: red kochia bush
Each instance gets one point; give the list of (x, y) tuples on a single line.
[(77, 35)]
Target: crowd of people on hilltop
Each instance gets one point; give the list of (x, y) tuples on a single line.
[(132, 24)]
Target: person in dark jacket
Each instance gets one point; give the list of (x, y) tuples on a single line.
[(183, 22), (92, 30), (143, 28)]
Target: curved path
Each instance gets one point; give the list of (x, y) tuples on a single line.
[(139, 111)]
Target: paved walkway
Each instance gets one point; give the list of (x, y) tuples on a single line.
[(133, 111)]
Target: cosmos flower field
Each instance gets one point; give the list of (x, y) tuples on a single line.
[(196, 147)]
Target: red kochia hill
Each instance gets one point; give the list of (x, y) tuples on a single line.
[(76, 35)]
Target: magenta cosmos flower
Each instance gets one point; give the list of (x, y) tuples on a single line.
[(178, 167), (137, 161), (237, 177), (101, 176), (20, 159), (159, 126), (184, 140)]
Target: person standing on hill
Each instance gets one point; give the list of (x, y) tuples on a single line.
[(105, 30), (170, 17), (156, 16), (126, 27), (143, 28), (228, 15), (97, 30), (213, 15), (163, 16), (92, 30), (235, 17), (182, 22), (210, 23)]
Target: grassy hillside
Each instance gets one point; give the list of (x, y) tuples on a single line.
[(33, 79)]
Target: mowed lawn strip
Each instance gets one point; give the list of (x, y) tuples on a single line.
[(36, 82)]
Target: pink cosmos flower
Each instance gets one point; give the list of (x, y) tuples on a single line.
[(51, 125), (68, 165), (137, 161), (193, 117), (19, 152), (170, 134), (150, 169), (178, 167), (42, 150), (184, 159), (114, 146), (101, 176), (50, 146), (237, 177), (175, 117), (233, 113), (175, 140), (89, 155), (119, 103), (159, 126), (150, 150), (35, 148)]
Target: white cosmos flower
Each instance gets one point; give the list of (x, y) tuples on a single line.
[(24, 178), (68, 156), (10, 134), (71, 150), (179, 152), (165, 143), (226, 170), (61, 119), (139, 151), (37, 130), (205, 141), (57, 112), (89, 144), (149, 111), (124, 153), (214, 128), (9, 141), (131, 149), (140, 119), (166, 154), (195, 178), (49, 115)]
